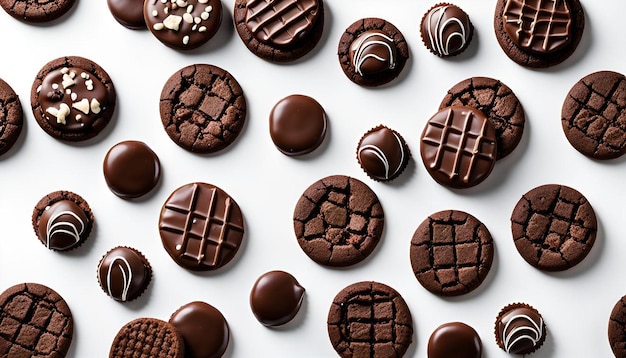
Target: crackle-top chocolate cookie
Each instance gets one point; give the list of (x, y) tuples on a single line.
[(496, 101), (148, 337), (279, 30), (11, 117), (202, 108), (338, 221), (594, 115), (36, 11), (370, 319), (72, 98), (617, 328), (539, 33), (35, 321), (451, 253), (554, 227), (372, 52)]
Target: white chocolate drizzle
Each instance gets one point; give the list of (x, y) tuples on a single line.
[(64, 227), (380, 154), (440, 44), (534, 332), (363, 43), (127, 276)]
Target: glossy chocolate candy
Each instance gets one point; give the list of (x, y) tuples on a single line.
[(131, 169), (276, 298), (124, 273), (298, 125), (520, 329), (373, 52), (446, 30), (63, 226), (382, 153), (204, 330), (281, 23), (454, 340)]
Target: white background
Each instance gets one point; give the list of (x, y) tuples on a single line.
[(575, 304)]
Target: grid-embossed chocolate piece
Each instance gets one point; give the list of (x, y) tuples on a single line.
[(338, 221), (281, 22), (554, 227), (594, 115), (147, 337), (617, 328), (459, 147), (35, 321), (370, 319), (201, 226), (451, 253)]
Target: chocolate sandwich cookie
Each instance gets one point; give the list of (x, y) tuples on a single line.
[(35, 321), (454, 340), (183, 24), (459, 147), (451, 253), (496, 101), (372, 52), (202, 108), (275, 298), (370, 319), (201, 227), (72, 98), (298, 125), (204, 330), (11, 117), (594, 113), (617, 328), (554, 227), (520, 329), (36, 11), (446, 30), (124, 273), (538, 33), (148, 337), (279, 30), (338, 221), (62, 220), (131, 169), (382, 153), (129, 13)]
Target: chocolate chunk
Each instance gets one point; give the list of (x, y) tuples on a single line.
[(520, 329), (131, 169), (37, 11), (11, 117), (124, 273), (383, 154), (129, 13), (446, 30), (276, 298), (454, 340), (298, 125), (148, 337), (204, 330)]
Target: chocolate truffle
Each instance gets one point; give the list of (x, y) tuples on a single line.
[(519, 329), (131, 169), (204, 330), (124, 273), (297, 125), (382, 153), (276, 298), (446, 30), (454, 340), (129, 13)]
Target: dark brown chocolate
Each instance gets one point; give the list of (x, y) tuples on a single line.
[(297, 125), (373, 52), (11, 117), (281, 23), (275, 298), (131, 169), (383, 153), (446, 30), (454, 340), (519, 329), (204, 330), (124, 273), (147, 337), (129, 13), (62, 225)]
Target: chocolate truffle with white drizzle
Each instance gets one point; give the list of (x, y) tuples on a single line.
[(446, 30), (124, 273), (520, 329), (383, 154)]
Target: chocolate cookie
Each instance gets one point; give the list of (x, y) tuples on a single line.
[(370, 319), (183, 24), (279, 30), (36, 11), (124, 273), (451, 253), (520, 329), (540, 33), (11, 117), (201, 227), (617, 328), (204, 330), (454, 340), (129, 13), (459, 147), (275, 298), (594, 113), (338, 221), (35, 321), (131, 169), (498, 102), (382, 153), (298, 125), (202, 108), (72, 98), (372, 52), (62, 220), (446, 30), (554, 227), (148, 337)]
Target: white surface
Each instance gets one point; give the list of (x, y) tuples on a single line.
[(266, 184)]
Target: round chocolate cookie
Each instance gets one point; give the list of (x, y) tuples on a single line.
[(520, 329), (148, 337), (124, 273), (36, 11), (594, 115), (451, 253), (540, 34), (298, 125), (129, 13), (372, 52), (35, 321), (554, 227), (370, 319), (275, 298), (454, 340), (72, 98), (204, 330), (446, 30), (459, 147), (183, 24), (201, 227), (62, 220), (279, 30), (382, 153), (131, 169), (338, 221), (617, 328), (496, 101), (11, 117), (202, 108)]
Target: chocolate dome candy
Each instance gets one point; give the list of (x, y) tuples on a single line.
[(276, 298), (298, 125), (454, 340), (382, 153), (204, 330), (446, 30), (124, 273), (131, 169), (519, 329)]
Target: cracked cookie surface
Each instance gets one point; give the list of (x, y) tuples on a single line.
[(34, 11), (617, 328), (11, 117)]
